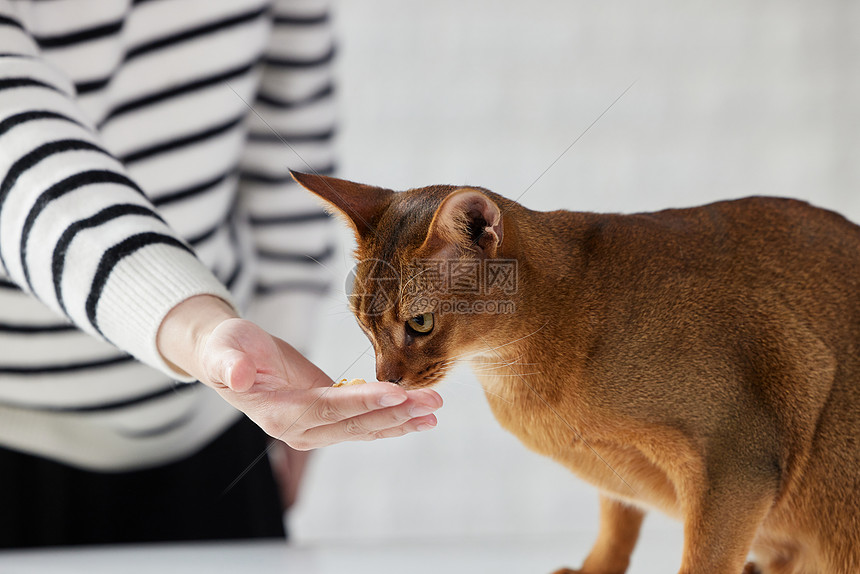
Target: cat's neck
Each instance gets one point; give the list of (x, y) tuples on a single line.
[(546, 338)]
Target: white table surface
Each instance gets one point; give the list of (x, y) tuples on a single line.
[(656, 554)]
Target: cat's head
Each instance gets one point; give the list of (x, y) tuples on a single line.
[(431, 278)]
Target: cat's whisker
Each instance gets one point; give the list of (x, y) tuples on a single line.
[(340, 308), (466, 356), (497, 366), (480, 353), (504, 361), (500, 364), (337, 313), (492, 349), (479, 387), (469, 355), (492, 372), (340, 292), (492, 366), (321, 264)]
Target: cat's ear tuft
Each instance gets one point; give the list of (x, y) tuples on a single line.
[(359, 205), (467, 220)]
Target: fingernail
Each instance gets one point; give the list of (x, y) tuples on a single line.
[(420, 411), (424, 427), (391, 400)]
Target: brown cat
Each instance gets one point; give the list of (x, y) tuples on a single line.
[(704, 362)]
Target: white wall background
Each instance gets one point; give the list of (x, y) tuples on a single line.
[(731, 98)]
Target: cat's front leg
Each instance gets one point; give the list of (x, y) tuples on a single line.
[(619, 530), (721, 523)]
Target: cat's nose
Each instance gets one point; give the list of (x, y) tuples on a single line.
[(386, 371)]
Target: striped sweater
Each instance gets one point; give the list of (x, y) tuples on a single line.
[(144, 154)]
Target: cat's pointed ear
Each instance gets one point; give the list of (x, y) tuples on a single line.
[(359, 205), (466, 220)]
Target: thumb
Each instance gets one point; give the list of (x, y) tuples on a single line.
[(234, 370)]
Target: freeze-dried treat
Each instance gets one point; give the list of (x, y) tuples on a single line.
[(346, 383)]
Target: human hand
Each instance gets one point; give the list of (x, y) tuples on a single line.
[(280, 390)]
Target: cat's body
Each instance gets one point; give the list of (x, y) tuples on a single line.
[(704, 362), (730, 331)]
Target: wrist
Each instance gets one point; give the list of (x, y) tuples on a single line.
[(184, 331)]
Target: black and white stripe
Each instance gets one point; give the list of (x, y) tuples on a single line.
[(135, 173)]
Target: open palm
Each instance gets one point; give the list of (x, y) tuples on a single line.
[(293, 400)]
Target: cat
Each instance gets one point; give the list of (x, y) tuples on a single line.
[(704, 362)]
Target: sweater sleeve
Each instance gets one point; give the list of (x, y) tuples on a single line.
[(292, 126), (75, 230)]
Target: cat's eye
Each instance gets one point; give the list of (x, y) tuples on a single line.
[(420, 324)]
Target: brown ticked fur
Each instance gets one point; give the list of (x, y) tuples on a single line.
[(703, 362)]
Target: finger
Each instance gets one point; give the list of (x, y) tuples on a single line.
[(334, 405), (327, 436), (426, 396), (223, 371), (419, 424), (308, 419), (241, 372), (367, 425), (365, 416)]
